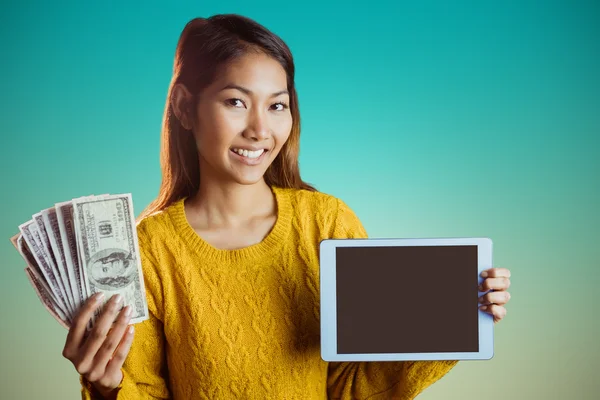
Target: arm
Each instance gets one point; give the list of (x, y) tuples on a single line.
[(145, 374), (402, 380)]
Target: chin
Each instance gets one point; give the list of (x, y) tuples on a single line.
[(243, 174), (249, 180), (246, 177)]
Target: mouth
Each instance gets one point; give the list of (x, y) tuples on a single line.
[(248, 153), (249, 156)]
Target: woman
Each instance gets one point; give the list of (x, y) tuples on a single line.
[(230, 247)]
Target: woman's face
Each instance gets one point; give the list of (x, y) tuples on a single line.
[(243, 119)]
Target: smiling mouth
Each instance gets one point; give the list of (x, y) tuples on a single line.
[(248, 153)]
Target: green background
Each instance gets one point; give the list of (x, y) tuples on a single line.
[(430, 119)]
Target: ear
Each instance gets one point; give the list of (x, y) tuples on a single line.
[(181, 102)]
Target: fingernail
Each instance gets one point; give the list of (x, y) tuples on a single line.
[(128, 311), (99, 297), (484, 274), (130, 330), (481, 299), (117, 298), (480, 288), (483, 308)]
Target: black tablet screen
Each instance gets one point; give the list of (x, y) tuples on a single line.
[(407, 299)]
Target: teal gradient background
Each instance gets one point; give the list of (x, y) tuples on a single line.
[(430, 119)]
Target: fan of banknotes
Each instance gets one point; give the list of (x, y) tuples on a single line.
[(80, 247)]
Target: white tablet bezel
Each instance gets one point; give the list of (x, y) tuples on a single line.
[(328, 300)]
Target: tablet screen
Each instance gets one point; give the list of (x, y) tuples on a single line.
[(407, 299)]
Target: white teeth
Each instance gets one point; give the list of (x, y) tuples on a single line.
[(249, 153)]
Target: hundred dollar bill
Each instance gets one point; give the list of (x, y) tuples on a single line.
[(37, 281), (44, 243), (47, 300), (19, 243), (108, 245), (64, 217), (86, 295), (35, 270), (31, 234), (50, 222), (64, 214)]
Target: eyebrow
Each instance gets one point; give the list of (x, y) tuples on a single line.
[(249, 92)]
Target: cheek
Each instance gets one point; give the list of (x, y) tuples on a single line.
[(214, 132), (282, 130)]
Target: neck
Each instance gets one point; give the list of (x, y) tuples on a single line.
[(230, 204)]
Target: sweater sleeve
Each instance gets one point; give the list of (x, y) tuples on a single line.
[(402, 380), (144, 369)]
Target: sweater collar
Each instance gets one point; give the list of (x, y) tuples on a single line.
[(267, 247)]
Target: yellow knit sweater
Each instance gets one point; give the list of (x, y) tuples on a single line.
[(244, 324)]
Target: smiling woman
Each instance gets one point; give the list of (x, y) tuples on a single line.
[(242, 119), (211, 74), (230, 247)]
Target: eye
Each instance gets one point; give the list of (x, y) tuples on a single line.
[(281, 106), (235, 102)]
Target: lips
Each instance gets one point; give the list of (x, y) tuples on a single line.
[(248, 153), (252, 157)]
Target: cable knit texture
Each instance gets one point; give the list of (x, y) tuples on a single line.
[(244, 324)]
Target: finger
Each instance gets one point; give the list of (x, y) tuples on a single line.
[(101, 327), (78, 329), (113, 369), (113, 339), (494, 284), (498, 312), (496, 273), (501, 297)]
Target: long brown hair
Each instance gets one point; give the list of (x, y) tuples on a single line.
[(206, 45)]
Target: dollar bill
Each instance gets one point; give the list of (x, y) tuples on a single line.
[(107, 241), (47, 300), (31, 236), (64, 217), (38, 282), (50, 222), (43, 239)]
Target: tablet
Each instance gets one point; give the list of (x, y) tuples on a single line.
[(404, 299)]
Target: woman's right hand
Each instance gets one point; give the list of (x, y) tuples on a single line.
[(99, 355)]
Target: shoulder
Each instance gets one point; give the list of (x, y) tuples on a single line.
[(313, 200), (157, 233), (312, 203), (333, 215), (156, 224)]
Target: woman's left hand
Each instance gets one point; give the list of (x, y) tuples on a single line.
[(496, 284)]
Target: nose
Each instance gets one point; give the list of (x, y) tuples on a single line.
[(258, 126)]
